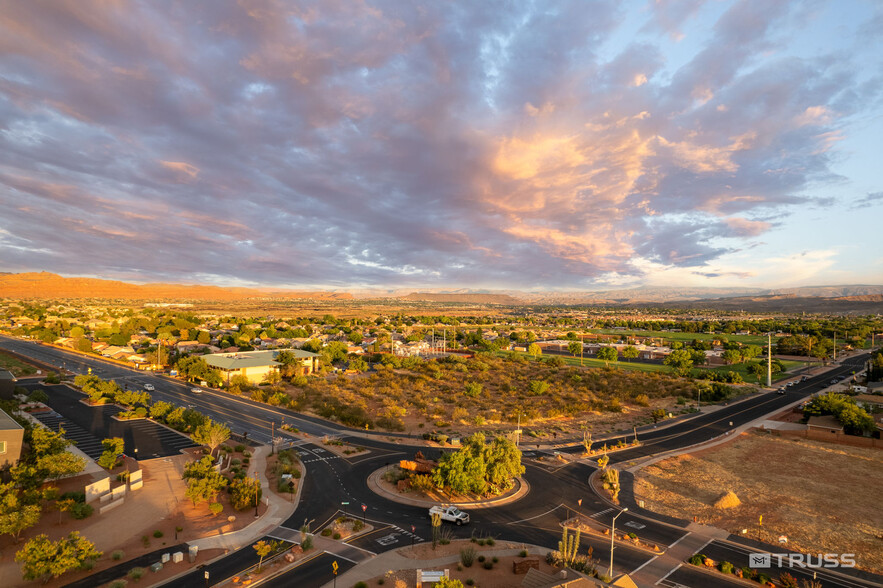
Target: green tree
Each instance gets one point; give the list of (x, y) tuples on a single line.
[(113, 448), (503, 463), (354, 337), (205, 489), (575, 348), (680, 362), (42, 559), (630, 352), (658, 414), (245, 492), (15, 515), (731, 356), (59, 465), (204, 337), (45, 442), (538, 387), (535, 350), (263, 549), (211, 434), (607, 354)]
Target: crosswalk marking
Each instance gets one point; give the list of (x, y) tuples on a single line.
[(603, 512)]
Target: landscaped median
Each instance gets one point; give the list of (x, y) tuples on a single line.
[(751, 576)]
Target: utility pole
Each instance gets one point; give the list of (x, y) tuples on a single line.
[(835, 344), (769, 360), (272, 437)]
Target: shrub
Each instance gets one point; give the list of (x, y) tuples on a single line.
[(489, 541), (145, 540), (118, 584), (336, 536), (467, 556), (360, 585), (726, 567), (81, 510), (763, 579), (495, 559), (78, 496), (522, 553), (157, 533), (480, 558), (239, 448), (698, 559), (787, 580), (117, 555), (748, 573), (216, 508), (307, 543), (358, 526), (326, 532), (136, 573), (488, 565)]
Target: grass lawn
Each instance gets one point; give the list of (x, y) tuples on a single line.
[(687, 337), (597, 363), (742, 369), (819, 495), (18, 368)]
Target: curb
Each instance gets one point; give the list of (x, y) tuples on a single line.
[(516, 494)]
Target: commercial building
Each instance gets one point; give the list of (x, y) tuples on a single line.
[(256, 365), (11, 437)]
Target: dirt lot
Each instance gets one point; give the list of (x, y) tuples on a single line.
[(824, 498)]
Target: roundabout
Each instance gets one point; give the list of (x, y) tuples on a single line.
[(379, 486)]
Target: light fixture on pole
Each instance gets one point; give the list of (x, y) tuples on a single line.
[(612, 535)]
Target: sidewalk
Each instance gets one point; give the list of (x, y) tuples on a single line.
[(392, 560), (693, 542), (277, 509)]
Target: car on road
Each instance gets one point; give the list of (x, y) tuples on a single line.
[(149, 387), (804, 378), (781, 390), (196, 390), (834, 381), (451, 514)]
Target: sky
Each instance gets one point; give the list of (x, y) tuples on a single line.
[(483, 145)]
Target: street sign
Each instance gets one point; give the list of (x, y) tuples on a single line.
[(345, 503), (364, 507), (413, 529), (334, 566)]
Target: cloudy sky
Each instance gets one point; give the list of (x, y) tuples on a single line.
[(529, 145)]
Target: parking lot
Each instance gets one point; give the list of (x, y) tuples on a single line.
[(88, 425)]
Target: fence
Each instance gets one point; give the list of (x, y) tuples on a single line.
[(831, 437)]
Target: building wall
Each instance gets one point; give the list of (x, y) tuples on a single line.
[(13, 440)]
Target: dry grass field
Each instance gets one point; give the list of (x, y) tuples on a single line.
[(487, 393), (823, 497)]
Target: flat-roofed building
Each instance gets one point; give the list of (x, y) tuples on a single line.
[(256, 365), (11, 437)]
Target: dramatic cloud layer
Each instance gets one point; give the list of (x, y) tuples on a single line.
[(478, 144)]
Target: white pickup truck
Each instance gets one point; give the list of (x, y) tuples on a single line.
[(451, 514)]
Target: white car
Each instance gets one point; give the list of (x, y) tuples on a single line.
[(196, 390), (149, 387)]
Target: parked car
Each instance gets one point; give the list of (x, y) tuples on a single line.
[(451, 514), (149, 387), (196, 390), (834, 381)]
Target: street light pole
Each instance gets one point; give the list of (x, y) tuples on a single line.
[(257, 486), (612, 535)]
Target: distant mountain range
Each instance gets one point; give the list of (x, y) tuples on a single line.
[(868, 298), (45, 285)]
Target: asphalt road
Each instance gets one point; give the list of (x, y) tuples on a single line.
[(555, 491)]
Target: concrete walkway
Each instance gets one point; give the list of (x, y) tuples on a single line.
[(393, 560), (276, 510), (659, 567)]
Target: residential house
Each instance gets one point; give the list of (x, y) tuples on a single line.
[(870, 402)]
